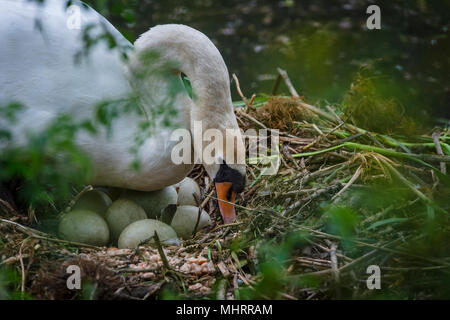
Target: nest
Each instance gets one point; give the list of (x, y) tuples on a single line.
[(344, 198), (282, 113)]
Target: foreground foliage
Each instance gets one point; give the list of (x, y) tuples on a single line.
[(344, 198)]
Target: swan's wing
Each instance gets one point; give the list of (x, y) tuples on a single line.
[(38, 69), (38, 65)]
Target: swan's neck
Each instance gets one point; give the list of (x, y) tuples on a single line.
[(192, 53)]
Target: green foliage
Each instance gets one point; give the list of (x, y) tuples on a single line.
[(47, 161), (9, 113), (92, 37), (371, 109), (385, 222), (399, 224), (341, 221), (169, 292), (272, 271), (10, 285), (88, 291)]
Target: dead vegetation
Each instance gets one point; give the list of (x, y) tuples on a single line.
[(344, 198)]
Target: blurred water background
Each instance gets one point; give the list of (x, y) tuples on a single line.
[(322, 44)]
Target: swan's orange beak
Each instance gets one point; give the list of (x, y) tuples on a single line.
[(226, 208)]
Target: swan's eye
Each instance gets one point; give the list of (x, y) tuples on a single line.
[(187, 84)]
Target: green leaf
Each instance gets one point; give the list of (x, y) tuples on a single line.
[(385, 222)]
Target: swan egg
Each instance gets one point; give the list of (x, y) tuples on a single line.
[(94, 200), (120, 214), (186, 189), (85, 227), (152, 202), (185, 218), (142, 230)]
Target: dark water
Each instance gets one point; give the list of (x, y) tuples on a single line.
[(322, 44)]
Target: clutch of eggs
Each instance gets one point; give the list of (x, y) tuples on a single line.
[(131, 219)]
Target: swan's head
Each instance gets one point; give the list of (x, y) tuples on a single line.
[(223, 157), (229, 180), (210, 106)]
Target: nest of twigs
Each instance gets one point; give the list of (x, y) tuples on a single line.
[(343, 199)]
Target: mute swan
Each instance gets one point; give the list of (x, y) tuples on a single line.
[(37, 68)]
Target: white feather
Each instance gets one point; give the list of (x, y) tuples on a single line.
[(37, 69)]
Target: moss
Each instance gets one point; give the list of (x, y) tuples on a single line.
[(367, 108)]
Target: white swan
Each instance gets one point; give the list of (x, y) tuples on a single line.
[(38, 69)]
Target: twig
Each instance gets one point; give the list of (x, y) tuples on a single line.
[(226, 225), (221, 288), (223, 269), (317, 193), (319, 138), (161, 252), (342, 269), (7, 206), (311, 262), (77, 197), (378, 143), (328, 250), (362, 243), (348, 184), (334, 262), (252, 99), (205, 201), (22, 267), (78, 244), (197, 200), (249, 117), (43, 236), (388, 152), (350, 265), (334, 267), (14, 259), (438, 147), (338, 119), (319, 172), (412, 187), (234, 204), (288, 82), (238, 87), (28, 231), (318, 111)]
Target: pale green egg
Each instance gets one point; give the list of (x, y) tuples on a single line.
[(85, 227), (186, 189), (120, 214), (185, 218), (152, 202), (142, 230), (94, 200)]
